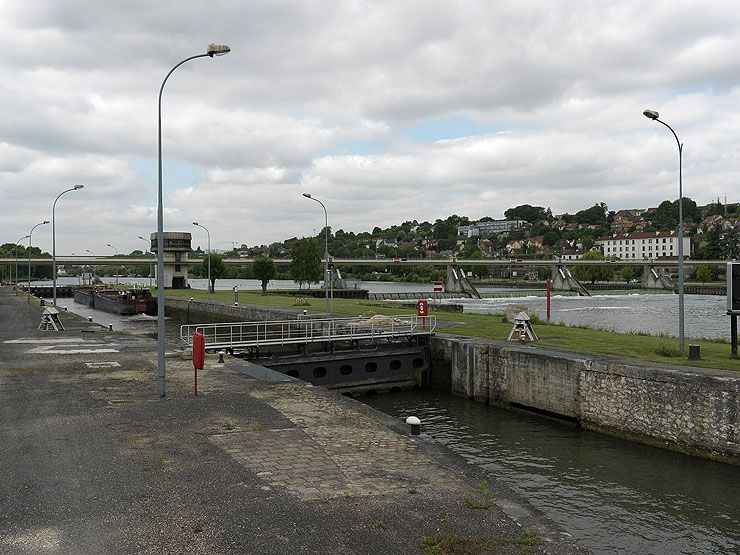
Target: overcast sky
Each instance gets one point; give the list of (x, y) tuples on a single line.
[(386, 111)]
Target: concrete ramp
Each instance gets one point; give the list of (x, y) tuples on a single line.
[(653, 279), (563, 280), (337, 281), (458, 282)]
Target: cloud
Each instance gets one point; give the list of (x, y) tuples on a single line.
[(329, 96)]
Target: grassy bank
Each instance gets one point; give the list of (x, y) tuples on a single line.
[(714, 354)]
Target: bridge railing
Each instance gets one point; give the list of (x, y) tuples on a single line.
[(307, 330)]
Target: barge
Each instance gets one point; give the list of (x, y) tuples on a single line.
[(125, 303)]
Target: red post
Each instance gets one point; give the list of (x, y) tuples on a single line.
[(199, 357), (548, 299)]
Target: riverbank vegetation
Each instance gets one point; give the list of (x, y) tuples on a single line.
[(662, 349)]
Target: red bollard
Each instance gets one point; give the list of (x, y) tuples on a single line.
[(199, 357)]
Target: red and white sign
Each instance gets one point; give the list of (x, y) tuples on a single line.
[(422, 307), (438, 285)]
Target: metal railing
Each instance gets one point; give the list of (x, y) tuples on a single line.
[(307, 330)]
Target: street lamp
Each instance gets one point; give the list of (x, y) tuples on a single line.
[(29, 257), (209, 257), (653, 115), (54, 242), (326, 248), (15, 250), (148, 249), (211, 51), (115, 249)]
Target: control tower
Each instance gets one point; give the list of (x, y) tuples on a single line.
[(175, 249)]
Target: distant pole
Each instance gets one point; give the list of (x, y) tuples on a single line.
[(652, 114), (148, 249), (548, 299), (326, 249), (54, 243), (208, 233), (29, 258), (15, 250)]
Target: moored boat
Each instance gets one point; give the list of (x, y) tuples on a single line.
[(125, 303)]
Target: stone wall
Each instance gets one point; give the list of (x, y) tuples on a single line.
[(213, 311), (690, 410)]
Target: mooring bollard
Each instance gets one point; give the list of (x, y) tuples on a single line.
[(89, 318), (65, 308), (415, 425), (221, 356), (110, 327)]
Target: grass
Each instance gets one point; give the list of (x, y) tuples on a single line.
[(715, 354), (454, 544)]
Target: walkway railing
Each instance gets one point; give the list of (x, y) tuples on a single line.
[(307, 330)]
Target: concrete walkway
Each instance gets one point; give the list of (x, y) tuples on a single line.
[(93, 461)]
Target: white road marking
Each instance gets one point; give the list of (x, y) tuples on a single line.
[(27, 340), (102, 364), (52, 350)]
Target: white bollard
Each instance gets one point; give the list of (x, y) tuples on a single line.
[(415, 425)]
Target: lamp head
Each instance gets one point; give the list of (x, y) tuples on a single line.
[(651, 114), (217, 50), (195, 223), (78, 187), (307, 195), (45, 222)]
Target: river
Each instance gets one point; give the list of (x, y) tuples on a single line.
[(613, 496)]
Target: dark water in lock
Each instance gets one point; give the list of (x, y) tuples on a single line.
[(613, 496)]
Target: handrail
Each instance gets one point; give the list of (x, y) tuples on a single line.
[(307, 330)]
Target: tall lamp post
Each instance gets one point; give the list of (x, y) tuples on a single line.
[(54, 242), (29, 257), (15, 250), (653, 115), (148, 249), (115, 249), (326, 248), (208, 285), (212, 50)]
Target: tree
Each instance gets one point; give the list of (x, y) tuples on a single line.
[(305, 266), (551, 238), (626, 273), (526, 212), (264, 270), (218, 269), (595, 215), (704, 274), (592, 273)]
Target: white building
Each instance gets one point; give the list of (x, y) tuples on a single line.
[(644, 245), (489, 228)]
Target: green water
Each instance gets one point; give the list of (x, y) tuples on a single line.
[(613, 496)]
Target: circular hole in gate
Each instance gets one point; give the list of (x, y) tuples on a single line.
[(417, 362), (371, 367), (395, 364), (292, 373), (345, 369), (319, 372)]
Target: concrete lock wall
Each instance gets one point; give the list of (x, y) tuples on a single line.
[(216, 311), (689, 410)]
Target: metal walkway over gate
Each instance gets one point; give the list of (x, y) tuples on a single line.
[(247, 335)]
